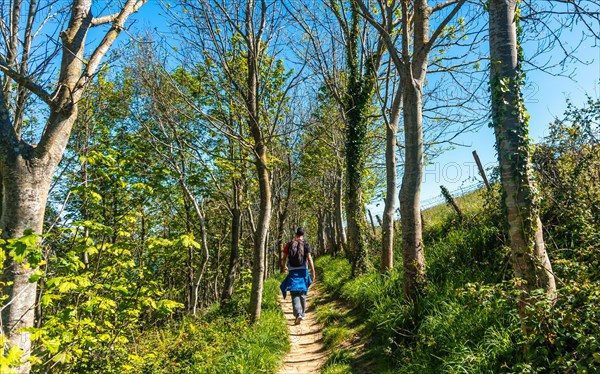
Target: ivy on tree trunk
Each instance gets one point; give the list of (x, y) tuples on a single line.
[(510, 121)]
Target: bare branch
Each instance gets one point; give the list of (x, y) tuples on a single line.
[(105, 19), (341, 18), (23, 92), (129, 8), (383, 31), (441, 26), (443, 5), (27, 83), (8, 137)]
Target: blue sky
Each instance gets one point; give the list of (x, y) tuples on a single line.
[(545, 99)]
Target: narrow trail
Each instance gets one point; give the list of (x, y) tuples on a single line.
[(307, 353)]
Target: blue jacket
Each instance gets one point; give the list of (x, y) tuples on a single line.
[(296, 281)]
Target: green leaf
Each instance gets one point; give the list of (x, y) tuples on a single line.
[(52, 345), (187, 241), (65, 287), (37, 274)]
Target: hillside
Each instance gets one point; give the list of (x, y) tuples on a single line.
[(467, 319)]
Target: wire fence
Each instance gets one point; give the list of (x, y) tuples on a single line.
[(437, 200)]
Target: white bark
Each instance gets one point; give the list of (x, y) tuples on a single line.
[(27, 170), (529, 257)]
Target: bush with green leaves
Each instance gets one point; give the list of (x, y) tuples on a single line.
[(91, 313), (567, 164), (222, 340)]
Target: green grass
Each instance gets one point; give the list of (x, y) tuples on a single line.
[(440, 215), (221, 341), (328, 314), (334, 336), (467, 320), (338, 362), (463, 323)]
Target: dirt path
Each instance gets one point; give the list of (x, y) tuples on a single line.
[(307, 353)]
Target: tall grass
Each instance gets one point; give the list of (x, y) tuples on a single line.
[(221, 341), (467, 321), (471, 328), (462, 324)]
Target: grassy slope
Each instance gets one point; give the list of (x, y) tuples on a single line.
[(467, 320)]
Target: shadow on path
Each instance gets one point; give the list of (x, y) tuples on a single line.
[(307, 353)]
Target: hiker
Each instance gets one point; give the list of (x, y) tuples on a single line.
[(296, 262)]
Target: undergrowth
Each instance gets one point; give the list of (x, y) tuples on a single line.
[(222, 340), (467, 319), (340, 327)]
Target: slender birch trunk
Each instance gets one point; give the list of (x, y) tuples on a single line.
[(530, 260), (339, 213), (254, 55), (410, 193), (387, 227)]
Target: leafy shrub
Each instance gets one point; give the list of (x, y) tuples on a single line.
[(219, 342), (567, 164), (564, 336), (92, 313)]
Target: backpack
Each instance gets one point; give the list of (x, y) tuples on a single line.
[(296, 256)]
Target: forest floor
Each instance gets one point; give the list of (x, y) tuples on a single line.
[(307, 353)]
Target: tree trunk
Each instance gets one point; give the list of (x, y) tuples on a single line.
[(266, 265), (279, 238), (410, 192), (357, 248), (283, 209), (234, 257), (205, 257), (217, 266), (529, 257), (321, 231), (262, 173), (372, 224), (387, 227), (260, 237), (332, 241), (236, 230), (196, 279), (26, 184), (360, 90), (190, 260), (339, 213)]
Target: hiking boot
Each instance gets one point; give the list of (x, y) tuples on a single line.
[(298, 320)]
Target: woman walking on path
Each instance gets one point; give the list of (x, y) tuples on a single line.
[(297, 260)]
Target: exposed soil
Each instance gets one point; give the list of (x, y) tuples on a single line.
[(307, 353)]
